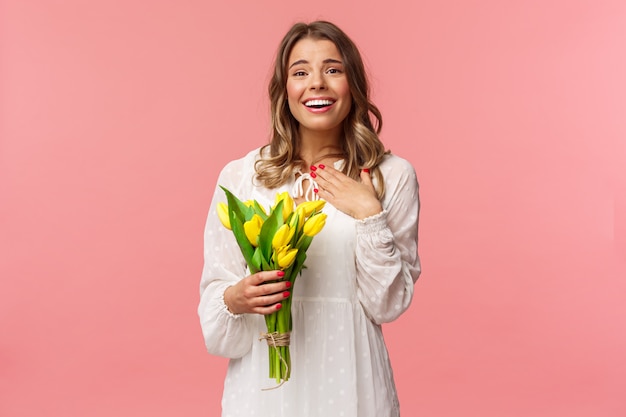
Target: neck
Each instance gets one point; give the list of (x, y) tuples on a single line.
[(317, 145)]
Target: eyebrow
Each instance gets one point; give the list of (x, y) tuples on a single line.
[(326, 61)]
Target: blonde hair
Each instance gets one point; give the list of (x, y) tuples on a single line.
[(361, 145)]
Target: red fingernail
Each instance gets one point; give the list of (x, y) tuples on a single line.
[(366, 170), (278, 306), (280, 273), (322, 166), (313, 167), (315, 190), (287, 284), (313, 175), (286, 294)]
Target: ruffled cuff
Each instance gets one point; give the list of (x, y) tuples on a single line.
[(372, 224), (224, 308), (373, 232)]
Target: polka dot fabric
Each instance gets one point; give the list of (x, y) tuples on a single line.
[(360, 274)]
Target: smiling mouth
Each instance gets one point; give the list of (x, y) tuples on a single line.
[(319, 104)]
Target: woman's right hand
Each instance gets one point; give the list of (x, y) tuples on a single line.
[(254, 294)]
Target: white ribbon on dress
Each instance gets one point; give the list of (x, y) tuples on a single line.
[(298, 187)]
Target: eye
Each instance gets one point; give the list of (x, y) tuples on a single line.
[(334, 71), (299, 74)]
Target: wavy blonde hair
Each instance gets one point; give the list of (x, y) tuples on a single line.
[(362, 147)]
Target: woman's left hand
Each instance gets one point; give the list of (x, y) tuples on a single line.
[(356, 199)]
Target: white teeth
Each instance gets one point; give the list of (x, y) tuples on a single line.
[(312, 103)]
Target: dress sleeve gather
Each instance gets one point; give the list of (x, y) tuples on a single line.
[(225, 334), (387, 260)]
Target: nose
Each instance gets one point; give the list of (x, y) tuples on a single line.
[(317, 81)]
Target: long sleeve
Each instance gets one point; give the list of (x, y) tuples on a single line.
[(225, 334), (387, 260)]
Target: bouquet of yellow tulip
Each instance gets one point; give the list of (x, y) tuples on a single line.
[(277, 240)]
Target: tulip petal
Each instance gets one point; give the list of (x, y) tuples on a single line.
[(222, 214), (314, 224)]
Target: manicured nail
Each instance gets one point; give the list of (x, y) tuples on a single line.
[(315, 190), (322, 166), (313, 175), (278, 306), (286, 294), (280, 273), (366, 170), (287, 284), (313, 167)]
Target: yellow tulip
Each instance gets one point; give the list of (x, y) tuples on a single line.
[(252, 228), (283, 236), (285, 257), (294, 222), (308, 207), (314, 224), (222, 213), (297, 220), (287, 204)]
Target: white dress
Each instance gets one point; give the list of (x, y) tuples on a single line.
[(359, 274)]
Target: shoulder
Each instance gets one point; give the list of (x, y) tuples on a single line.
[(393, 165), (400, 179), (241, 169)]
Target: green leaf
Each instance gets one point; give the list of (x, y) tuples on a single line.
[(293, 220), (269, 228), (259, 210), (257, 261), (299, 262), (236, 206), (304, 242), (265, 265)]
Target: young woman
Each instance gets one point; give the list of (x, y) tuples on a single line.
[(361, 268)]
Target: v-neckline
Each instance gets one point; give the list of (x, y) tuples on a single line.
[(299, 192)]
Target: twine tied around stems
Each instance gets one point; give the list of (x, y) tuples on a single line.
[(275, 340)]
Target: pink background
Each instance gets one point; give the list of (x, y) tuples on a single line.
[(116, 117)]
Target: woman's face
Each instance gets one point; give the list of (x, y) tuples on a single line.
[(317, 88)]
